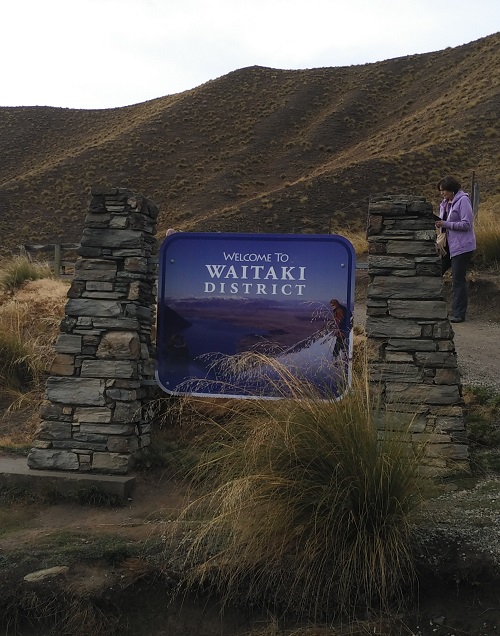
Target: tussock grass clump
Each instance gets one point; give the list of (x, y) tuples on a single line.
[(488, 234), (17, 370), (19, 269), (358, 240), (21, 364), (26, 348), (307, 511), (29, 323), (26, 331)]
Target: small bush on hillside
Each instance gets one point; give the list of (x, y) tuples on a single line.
[(307, 512)]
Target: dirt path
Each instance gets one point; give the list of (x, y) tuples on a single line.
[(478, 351), (154, 502)]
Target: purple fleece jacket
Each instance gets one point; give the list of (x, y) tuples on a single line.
[(459, 224)]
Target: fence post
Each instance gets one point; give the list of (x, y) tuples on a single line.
[(57, 259)]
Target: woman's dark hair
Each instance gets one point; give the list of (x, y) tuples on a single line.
[(450, 184)]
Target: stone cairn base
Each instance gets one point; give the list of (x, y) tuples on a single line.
[(413, 365), (94, 418)]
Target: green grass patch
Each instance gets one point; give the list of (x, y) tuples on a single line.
[(87, 496), (482, 421), (65, 548), (17, 451), (482, 410), (16, 509)]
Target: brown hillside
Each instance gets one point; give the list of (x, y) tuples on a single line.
[(260, 149)]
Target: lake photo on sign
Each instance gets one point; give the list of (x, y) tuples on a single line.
[(238, 313)]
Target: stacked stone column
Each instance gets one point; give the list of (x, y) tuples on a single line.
[(95, 416), (413, 366)]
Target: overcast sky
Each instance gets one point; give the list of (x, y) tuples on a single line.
[(110, 53)]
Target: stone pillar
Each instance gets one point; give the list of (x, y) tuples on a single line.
[(413, 363), (94, 418)]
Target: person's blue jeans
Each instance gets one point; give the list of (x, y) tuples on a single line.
[(459, 265)]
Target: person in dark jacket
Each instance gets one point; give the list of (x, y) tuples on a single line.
[(340, 326), (457, 220)]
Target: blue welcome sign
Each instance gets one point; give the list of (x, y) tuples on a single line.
[(236, 312)]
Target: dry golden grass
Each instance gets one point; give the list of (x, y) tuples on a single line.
[(17, 429), (29, 324), (487, 232), (16, 271), (357, 238), (302, 508)]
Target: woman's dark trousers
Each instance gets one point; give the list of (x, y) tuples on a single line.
[(459, 265)]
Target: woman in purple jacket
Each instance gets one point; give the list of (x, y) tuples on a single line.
[(456, 217)]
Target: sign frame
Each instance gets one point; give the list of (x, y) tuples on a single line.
[(252, 294)]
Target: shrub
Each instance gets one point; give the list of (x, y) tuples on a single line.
[(307, 511)]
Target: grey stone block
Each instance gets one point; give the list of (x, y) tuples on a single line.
[(52, 459), (84, 391)]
